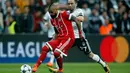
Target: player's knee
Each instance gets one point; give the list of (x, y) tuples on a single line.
[(56, 54), (45, 48)]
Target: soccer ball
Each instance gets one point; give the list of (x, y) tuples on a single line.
[(26, 69)]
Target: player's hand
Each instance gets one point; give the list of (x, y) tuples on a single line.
[(80, 18), (81, 36)]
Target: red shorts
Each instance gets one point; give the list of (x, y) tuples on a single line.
[(61, 45)]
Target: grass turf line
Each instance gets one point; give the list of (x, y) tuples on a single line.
[(71, 68)]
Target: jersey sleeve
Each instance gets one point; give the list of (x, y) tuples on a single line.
[(46, 16), (66, 14), (78, 12)]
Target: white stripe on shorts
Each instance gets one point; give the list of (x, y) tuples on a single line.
[(65, 44)]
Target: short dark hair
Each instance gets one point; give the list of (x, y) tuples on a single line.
[(76, 1), (52, 4)]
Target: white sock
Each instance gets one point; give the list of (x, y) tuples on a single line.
[(52, 58), (57, 65), (99, 60)]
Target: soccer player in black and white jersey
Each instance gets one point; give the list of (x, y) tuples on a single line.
[(80, 41)]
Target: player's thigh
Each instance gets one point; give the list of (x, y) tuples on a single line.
[(52, 44), (65, 45), (74, 44), (83, 45)]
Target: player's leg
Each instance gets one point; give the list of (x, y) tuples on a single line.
[(61, 51), (84, 46), (44, 52), (51, 58), (53, 69), (49, 46), (96, 58), (93, 56), (56, 68), (58, 51), (51, 61), (59, 60), (56, 64)]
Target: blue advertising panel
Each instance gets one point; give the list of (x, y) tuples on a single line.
[(27, 48), (20, 48)]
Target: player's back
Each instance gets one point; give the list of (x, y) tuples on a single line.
[(63, 24)]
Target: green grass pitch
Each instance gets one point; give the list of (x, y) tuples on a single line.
[(71, 68)]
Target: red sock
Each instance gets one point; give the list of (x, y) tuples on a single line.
[(59, 60), (42, 56)]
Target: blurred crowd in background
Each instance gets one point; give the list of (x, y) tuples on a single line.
[(101, 16)]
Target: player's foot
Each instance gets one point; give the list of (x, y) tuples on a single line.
[(34, 69), (107, 69), (60, 71), (55, 70), (49, 64)]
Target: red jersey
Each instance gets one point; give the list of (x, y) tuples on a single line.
[(63, 24)]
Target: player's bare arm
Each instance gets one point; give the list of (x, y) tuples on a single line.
[(78, 23), (80, 18), (73, 18)]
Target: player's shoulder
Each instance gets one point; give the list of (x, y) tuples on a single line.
[(64, 11), (78, 12), (78, 9)]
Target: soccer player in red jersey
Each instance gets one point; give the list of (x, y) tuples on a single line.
[(64, 37), (80, 41)]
